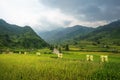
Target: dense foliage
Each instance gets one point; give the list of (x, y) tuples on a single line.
[(13, 36)]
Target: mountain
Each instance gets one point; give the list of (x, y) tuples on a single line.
[(13, 36), (65, 34), (107, 34), (49, 36)]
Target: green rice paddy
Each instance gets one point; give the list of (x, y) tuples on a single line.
[(73, 66)]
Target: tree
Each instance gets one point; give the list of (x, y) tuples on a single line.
[(56, 46), (60, 50), (6, 40), (51, 47), (67, 47)]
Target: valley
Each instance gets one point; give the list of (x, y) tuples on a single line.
[(26, 56)]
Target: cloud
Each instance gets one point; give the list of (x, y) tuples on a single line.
[(50, 14), (93, 10), (18, 11), (33, 13)]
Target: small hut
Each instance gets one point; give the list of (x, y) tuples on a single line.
[(55, 51)]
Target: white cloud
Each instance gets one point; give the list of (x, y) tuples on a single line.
[(88, 24), (18, 11), (37, 15)]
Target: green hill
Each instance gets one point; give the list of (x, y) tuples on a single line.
[(13, 36), (102, 38), (65, 34), (107, 34)]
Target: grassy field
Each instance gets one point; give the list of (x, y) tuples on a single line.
[(73, 66)]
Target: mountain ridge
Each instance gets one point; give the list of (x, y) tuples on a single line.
[(106, 34), (19, 37), (65, 33)]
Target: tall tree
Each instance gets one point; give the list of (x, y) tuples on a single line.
[(67, 47)]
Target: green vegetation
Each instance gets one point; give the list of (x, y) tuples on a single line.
[(108, 34), (60, 36), (73, 66), (103, 38), (16, 37), (19, 46), (91, 47), (67, 47)]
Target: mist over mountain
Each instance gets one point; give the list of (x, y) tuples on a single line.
[(65, 34), (13, 36), (107, 34)]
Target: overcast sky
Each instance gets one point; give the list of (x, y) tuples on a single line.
[(50, 14)]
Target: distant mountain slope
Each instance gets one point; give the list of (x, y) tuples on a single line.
[(107, 34), (13, 36), (65, 34), (46, 35)]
